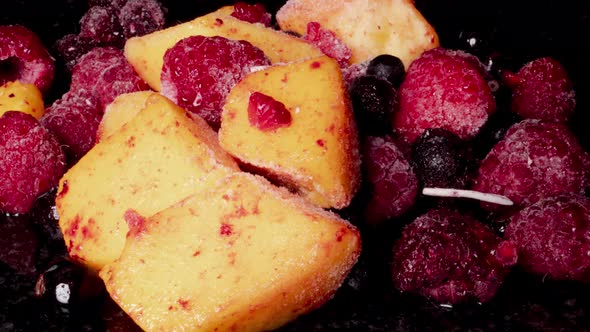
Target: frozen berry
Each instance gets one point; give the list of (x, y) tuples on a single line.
[(392, 182), (255, 13), (542, 90), (266, 113), (387, 67), (443, 89), (105, 72), (440, 159), (536, 159), (101, 24), (553, 237), (199, 72), (31, 161), (66, 284), (23, 57), (352, 72), (140, 17), (74, 119), (327, 41), (19, 243), (451, 258), (373, 101), (117, 4), (71, 47)]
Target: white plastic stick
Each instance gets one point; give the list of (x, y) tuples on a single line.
[(450, 192)]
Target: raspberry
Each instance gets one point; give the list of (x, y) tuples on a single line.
[(23, 57), (266, 113), (140, 17), (71, 47), (117, 4), (31, 161), (251, 13), (542, 90), (328, 43), (536, 159), (74, 119), (553, 237), (451, 258), (199, 72), (443, 89), (392, 181), (105, 72), (102, 26)]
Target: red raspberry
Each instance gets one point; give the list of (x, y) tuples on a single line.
[(251, 13), (451, 258), (542, 90), (199, 72), (266, 113), (553, 237), (105, 72), (392, 181), (101, 24), (71, 47), (23, 57), (536, 159), (31, 161), (327, 41), (74, 119), (140, 17), (443, 89)]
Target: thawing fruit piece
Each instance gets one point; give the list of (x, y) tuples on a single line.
[(368, 28), (160, 157), (317, 153), (124, 108), (146, 53), (243, 256), (26, 98)]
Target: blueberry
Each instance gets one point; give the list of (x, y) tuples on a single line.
[(373, 101), (440, 159), (387, 67)]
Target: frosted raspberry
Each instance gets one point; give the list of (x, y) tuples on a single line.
[(117, 4), (199, 72), (105, 72), (255, 13), (266, 113), (31, 161), (101, 24), (542, 90), (71, 47), (536, 159), (23, 57), (327, 41), (74, 119), (443, 89), (451, 258), (553, 237), (140, 17), (393, 183)]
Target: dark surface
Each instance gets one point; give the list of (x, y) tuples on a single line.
[(521, 30)]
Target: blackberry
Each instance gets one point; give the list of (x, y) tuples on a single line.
[(373, 102)]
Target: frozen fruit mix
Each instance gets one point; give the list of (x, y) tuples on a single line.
[(199, 72), (440, 106)]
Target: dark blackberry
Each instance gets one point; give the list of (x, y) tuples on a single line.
[(387, 67), (373, 101), (440, 159)]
